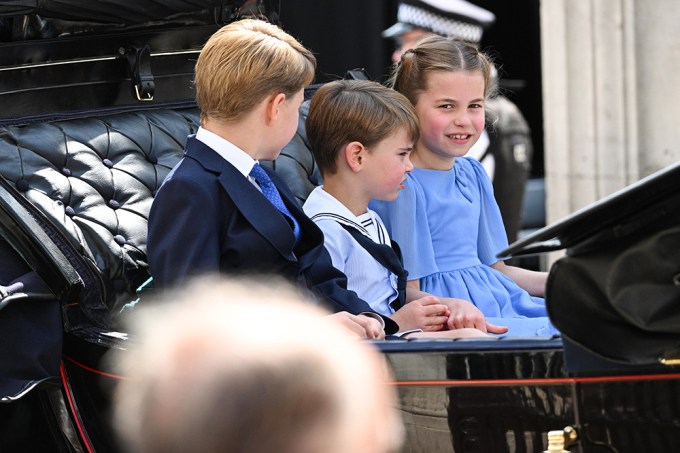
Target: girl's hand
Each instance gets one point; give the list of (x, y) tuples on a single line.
[(533, 282), (426, 313), (464, 314)]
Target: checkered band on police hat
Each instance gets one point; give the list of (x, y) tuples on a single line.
[(457, 18)]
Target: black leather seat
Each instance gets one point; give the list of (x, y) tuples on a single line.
[(93, 180), (74, 202)]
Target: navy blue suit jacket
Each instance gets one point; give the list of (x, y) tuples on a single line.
[(207, 218)]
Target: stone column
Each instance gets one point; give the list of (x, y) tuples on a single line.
[(611, 96)]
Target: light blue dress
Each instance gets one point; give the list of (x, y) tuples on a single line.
[(449, 228)]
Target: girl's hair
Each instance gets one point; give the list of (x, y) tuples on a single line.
[(437, 53), (345, 111), (246, 61)]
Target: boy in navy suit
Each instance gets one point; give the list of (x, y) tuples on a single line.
[(218, 211)]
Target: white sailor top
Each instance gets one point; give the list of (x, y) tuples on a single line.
[(366, 274)]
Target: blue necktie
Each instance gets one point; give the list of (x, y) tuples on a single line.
[(270, 191)]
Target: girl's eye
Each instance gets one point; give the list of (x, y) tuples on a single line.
[(476, 106), (446, 106)]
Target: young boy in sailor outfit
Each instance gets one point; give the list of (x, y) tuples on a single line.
[(362, 134)]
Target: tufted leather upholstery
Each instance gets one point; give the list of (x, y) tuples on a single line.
[(95, 178)]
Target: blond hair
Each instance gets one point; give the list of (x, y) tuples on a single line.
[(345, 111), (234, 366), (246, 61)]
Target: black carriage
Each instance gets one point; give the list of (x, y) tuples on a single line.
[(96, 107)]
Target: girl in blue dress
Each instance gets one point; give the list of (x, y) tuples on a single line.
[(446, 220)]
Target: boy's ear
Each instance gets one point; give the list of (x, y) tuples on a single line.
[(354, 155), (272, 104)]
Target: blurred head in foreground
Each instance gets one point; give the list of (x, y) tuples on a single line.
[(249, 367)]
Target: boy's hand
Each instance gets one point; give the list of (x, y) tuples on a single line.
[(426, 313), (465, 314), (362, 326)]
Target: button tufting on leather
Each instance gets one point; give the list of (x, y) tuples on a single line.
[(145, 164), (22, 185)]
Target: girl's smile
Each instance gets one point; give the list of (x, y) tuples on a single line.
[(460, 139), (451, 114)]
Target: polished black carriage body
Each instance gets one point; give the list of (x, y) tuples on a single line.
[(96, 106)]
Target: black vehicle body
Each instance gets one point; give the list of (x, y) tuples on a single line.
[(96, 105)]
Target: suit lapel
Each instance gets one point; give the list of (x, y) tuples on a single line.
[(310, 245), (259, 212)]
